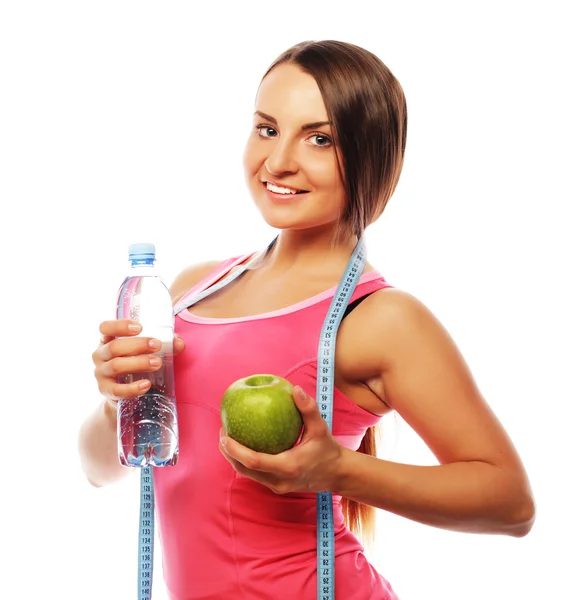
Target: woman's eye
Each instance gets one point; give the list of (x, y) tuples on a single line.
[(321, 140), (265, 131)]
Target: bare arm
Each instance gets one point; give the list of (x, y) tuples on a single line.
[(97, 445), (480, 485), (97, 438)]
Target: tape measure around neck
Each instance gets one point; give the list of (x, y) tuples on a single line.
[(324, 398)]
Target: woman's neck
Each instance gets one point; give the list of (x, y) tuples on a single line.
[(302, 252)]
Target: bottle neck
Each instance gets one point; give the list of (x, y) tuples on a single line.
[(143, 268)]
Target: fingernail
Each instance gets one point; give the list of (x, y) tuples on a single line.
[(135, 328)]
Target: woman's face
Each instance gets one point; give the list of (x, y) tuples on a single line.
[(289, 161)]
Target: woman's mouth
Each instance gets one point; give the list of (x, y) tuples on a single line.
[(278, 192)]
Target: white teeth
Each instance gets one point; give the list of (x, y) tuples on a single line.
[(279, 190)]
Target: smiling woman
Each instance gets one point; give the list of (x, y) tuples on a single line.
[(317, 135), (358, 122), (290, 159), (322, 161)]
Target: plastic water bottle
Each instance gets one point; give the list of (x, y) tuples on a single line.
[(147, 425)]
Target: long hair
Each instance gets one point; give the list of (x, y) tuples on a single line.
[(366, 105)]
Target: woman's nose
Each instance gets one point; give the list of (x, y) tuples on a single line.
[(281, 160)]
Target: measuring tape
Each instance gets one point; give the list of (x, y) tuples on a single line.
[(146, 534), (324, 397)]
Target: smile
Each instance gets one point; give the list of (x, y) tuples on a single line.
[(277, 189)]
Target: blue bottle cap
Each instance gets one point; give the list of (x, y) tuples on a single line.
[(142, 252)]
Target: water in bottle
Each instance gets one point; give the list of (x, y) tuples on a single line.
[(147, 425)]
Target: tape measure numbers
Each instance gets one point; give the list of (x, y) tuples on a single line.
[(324, 397), (146, 534)]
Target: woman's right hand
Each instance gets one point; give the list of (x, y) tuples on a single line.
[(123, 351)]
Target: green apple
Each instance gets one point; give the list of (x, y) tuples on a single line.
[(259, 412)]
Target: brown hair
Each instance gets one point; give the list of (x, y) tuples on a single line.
[(366, 105)]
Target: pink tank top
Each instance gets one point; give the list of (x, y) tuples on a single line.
[(223, 535)]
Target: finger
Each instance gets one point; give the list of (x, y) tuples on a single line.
[(254, 461), (227, 456), (178, 344), (125, 365), (118, 328), (127, 347), (265, 479), (314, 423), (238, 466), (223, 449), (123, 391)]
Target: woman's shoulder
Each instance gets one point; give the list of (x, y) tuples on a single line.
[(366, 330), (393, 332), (191, 276), (390, 311)]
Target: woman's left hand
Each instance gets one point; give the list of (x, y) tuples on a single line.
[(310, 466)]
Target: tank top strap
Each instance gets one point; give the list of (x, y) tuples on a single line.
[(217, 273)]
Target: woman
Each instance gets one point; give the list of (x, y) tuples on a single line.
[(322, 161)]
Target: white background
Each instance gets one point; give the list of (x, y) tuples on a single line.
[(126, 121)]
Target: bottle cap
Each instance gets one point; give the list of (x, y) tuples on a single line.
[(142, 252)]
